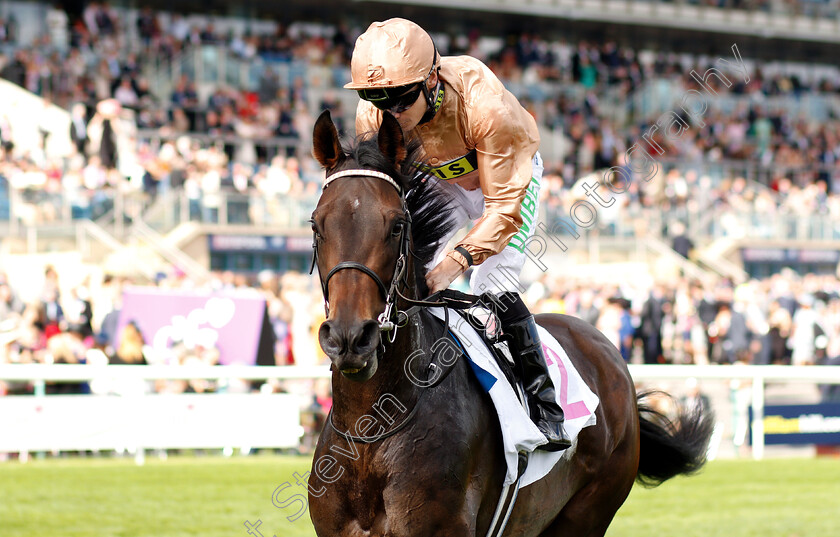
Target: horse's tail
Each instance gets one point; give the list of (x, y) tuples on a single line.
[(670, 447)]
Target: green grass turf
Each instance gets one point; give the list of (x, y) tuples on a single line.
[(212, 496), (739, 498)]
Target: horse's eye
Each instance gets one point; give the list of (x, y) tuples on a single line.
[(315, 232), (398, 229)]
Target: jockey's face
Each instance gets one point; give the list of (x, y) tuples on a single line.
[(409, 118)]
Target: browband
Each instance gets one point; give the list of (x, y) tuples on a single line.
[(366, 173)]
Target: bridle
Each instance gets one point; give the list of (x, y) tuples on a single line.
[(390, 319)]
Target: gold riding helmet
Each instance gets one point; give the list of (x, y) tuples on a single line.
[(391, 62)]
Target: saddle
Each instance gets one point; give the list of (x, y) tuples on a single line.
[(469, 322), (481, 312)]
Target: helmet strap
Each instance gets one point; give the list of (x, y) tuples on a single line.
[(434, 100)]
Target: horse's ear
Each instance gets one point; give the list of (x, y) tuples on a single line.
[(391, 139), (326, 147)]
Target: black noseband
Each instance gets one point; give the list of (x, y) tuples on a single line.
[(353, 265)]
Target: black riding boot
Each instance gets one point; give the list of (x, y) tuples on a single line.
[(519, 325)]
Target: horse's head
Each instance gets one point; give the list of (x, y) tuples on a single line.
[(361, 241)]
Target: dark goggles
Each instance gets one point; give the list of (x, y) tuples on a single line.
[(394, 100)]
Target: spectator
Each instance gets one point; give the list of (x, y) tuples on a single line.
[(695, 399), (681, 243), (147, 26), (31, 340), (179, 28), (112, 306), (57, 25), (79, 312), (650, 328), (106, 123), (15, 71), (11, 306), (132, 347), (615, 322), (586, 309), (780, 322), (269, 85), (626, 329), (609, 322), (184, 94), (53, 314), (732, 334), (125, 93), (78, 129), (105, 20), (804, 332)]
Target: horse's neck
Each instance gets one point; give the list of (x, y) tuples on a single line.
[(352, 400)]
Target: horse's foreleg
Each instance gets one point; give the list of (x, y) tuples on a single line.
[(434, 518)]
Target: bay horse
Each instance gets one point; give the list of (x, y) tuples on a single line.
[(398, 460)]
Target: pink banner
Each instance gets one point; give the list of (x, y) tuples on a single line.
[(230, 321)]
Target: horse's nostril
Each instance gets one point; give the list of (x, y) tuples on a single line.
[(324, 331), (360, 340), (325, 334), (367, 337)]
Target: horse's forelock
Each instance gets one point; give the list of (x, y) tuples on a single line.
[(367, 155)]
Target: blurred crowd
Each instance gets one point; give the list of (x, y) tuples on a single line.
[(255, 141), (783, 319), (726, 206), (100, 57)]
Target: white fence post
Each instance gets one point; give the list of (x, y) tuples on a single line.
[(758, 418), (140, 450)]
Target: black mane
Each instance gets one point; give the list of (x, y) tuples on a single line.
[(429, 205)]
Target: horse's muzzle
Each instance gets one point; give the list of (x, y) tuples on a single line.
[(352, 348)]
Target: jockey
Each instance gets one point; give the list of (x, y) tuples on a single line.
[(481, 145)]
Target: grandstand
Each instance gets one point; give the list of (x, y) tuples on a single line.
[(188, 169)]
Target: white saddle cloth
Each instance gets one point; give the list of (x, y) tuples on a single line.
[(518, 431)]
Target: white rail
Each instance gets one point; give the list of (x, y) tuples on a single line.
[(74, 372), (759, 375), (820, 374)]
